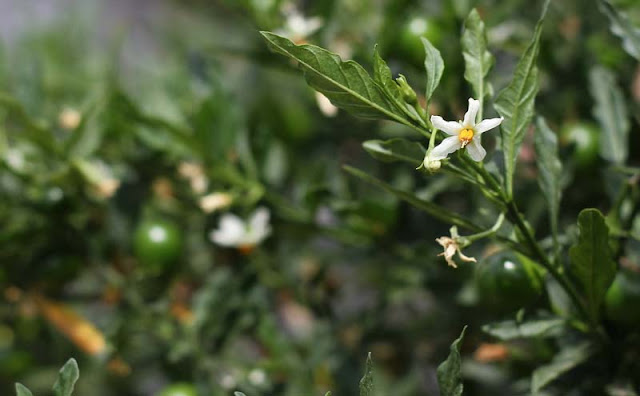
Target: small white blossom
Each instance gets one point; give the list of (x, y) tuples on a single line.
[(234, 232), (69, 118), (214, 201), (257, 377), (465, 133), (452, 245), (325, 105), (297, 27)]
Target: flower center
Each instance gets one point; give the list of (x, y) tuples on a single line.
[(465, 136)]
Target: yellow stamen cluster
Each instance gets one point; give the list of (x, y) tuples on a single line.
[(465, 136)]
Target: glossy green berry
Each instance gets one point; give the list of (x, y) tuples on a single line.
[(623, 299), (179, 389), (584, 137), (507, 281), (157, 243)]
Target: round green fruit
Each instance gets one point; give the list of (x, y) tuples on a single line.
[(179, 389), (507, 281), (157, 243), (409, 39), (622, 299), (585, 139)]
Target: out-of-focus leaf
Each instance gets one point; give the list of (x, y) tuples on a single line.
[(563, 362), (67, 378), (550, 172), (434, 66), (622, 27), (516, 103), (346, 84), (511, 329), (366, 383), (395, 150), (22, 390), (434, 210), (612, 114), (448, 373), (478, 60), (591, 259)]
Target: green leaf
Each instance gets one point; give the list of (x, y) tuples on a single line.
[(448, 372), (591, 259), (511, 329), (612, 114), (516, 103), (622, 27), (346, 84), (366, 383), (550, 172), (478, 60), (434, 210), (382, 75), (67, 377), (22, 390), (434, 66), (563, 362), (395, 150)]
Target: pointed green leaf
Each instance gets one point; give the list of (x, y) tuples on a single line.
[(477, 59), (434, 65), (612, 114), (395, 150), (346, 84), (434, 210), (22, 390), (511, 329), (516, 103), (366, 383), (448, 373), (382, 75), (563, 362), (67, 377), (591, 259), (622, 27), (550, 172)]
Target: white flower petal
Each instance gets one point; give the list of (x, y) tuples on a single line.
[(487, 124), (259, 219), (448, 127), (475, 150), (446, 147), (222, 238), (231, 231), (259, 227), (470, 115)]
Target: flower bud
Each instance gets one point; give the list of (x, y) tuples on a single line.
[(408, 94)]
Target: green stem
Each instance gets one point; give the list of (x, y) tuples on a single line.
[(515, 217), (491, 231)]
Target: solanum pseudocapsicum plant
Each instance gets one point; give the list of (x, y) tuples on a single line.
[(578, 276)]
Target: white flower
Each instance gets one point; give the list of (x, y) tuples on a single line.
[(69, 118), (452, 245), (463, 134), (297, 27), (214, 201), (234, 232), (325, 105)]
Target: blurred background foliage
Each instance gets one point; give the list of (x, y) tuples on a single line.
[(117, 117)]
